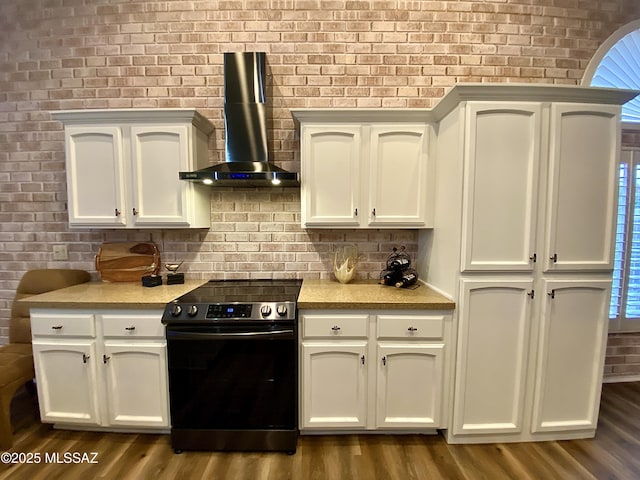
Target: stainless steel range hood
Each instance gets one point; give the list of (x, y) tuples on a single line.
[(245, 120)]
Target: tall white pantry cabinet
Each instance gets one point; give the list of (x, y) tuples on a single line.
[(523, 240)]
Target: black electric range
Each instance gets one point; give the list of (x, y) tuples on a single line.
[(232, 350)]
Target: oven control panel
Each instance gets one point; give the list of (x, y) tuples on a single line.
[(178, 312), (231, 310)]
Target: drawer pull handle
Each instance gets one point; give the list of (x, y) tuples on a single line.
[(131, 328), (412, 329), (85, 357), (362, 359), (105, 358), (384, 360), (57, 327), (335, 328), (554, 258)]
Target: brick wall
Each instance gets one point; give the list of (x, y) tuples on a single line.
[(71, 54)]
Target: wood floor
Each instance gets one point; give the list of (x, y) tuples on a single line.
[(613, 454)]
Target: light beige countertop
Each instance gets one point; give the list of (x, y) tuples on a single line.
[(330, 294), (125, 295)]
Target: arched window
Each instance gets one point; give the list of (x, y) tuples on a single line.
[(616, 64)]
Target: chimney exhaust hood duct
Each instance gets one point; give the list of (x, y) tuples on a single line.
[(245, 122)]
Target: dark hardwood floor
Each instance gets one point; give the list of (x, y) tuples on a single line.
[(613, 454)]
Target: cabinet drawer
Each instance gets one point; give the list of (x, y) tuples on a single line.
[(63, 324), (335, 326), (411, 326), (127, 325)]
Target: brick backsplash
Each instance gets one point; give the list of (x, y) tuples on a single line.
[(76, 54)]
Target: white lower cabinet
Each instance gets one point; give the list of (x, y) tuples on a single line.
[(372, 370), (409, 385), (334, 393), (106, 369), (530, 360), (67, 381)]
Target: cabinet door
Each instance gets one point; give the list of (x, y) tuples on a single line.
[(398, 163), (409, 385), (95, 176), (66, 379), (501, 176), (582, 187), (136, 375), (334, 385), (492, 356), (571, 350), (330, 169), (159, 196)]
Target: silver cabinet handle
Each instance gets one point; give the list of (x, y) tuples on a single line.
[(355, 212), (554, 258), (552, 293), (373, 212), (105, 358), (117, 212), (85, 357), (412, 329), (533, 258), (135, 212), (532, 294), (56, 327), (384, 360), (362, 359), (335, 328), (131, 328)]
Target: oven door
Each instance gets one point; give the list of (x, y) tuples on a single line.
[(233, 377)]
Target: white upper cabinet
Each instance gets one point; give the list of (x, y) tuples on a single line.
[(364, 173), (123, 165), (515, 150), (330, 189), (582, 187), (95, 176), (501, 174), (397, 185)]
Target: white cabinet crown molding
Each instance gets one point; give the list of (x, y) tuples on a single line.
[(464, 92), (136, 115)]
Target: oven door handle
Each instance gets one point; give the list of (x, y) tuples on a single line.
[(183, 335)]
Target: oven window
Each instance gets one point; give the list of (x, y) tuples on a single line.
[(235, 382)]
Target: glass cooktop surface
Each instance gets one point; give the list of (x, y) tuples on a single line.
[(244, 291)]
